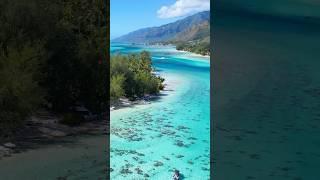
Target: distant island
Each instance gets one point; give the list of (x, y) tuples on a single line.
[(189, 34)]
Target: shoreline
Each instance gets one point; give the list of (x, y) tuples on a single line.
[(167, 46), (44, 129), (126, 103), (76, 157), (172, 120), (194, 54), (171, 81)]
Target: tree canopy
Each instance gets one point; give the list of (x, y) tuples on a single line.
[(52, 54), (132, 76)]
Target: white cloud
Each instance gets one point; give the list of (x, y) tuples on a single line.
[(183, 7)]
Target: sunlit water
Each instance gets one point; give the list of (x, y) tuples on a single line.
[(150, 141)]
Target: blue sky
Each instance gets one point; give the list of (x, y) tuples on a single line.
[(130, 15)]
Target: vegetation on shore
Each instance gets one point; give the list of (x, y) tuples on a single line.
[(52, 54), (132, 76), (202, 48)]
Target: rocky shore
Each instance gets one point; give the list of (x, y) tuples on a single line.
[(44, 128), (124, 102)]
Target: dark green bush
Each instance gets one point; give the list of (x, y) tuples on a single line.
[(72, 119), (20, 92), (51, 53), (132, 76)]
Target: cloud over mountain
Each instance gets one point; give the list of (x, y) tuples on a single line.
[(183, 7)]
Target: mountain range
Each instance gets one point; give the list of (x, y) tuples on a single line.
[(192, 28)]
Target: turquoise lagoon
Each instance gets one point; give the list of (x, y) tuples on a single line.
[(149, 141)]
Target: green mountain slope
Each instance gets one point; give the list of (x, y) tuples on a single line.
[(199, 32), (194, 26)]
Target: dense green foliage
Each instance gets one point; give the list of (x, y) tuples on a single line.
[(52, 54), (20, 92), (202, 48), (132, 76)]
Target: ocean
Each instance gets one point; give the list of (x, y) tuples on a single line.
[(152, 140)]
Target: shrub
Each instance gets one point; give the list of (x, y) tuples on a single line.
[(132, 76), (72, 119), (20, 93)]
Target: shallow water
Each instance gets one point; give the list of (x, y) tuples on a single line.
[(266, 99), (74, 158), (150, 141)]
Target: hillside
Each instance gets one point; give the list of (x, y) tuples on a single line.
[(195, 39), (191, 28), (200, 32)]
